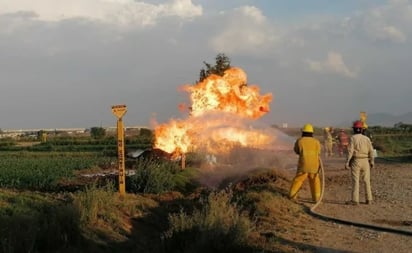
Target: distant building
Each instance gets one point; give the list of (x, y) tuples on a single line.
[(32, 132), (16, 133)]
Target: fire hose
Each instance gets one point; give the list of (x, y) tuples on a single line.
[(347, 222)]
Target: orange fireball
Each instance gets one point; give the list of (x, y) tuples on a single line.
[(220, 106)]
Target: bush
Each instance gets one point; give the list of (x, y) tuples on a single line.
[(34, 224), (96, 204), (153, 176), (218, 227), (7, 142)]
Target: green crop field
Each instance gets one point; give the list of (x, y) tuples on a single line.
[(42, 171)]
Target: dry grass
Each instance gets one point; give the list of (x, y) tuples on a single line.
[(250, 218), (219, 226), (27, 143)]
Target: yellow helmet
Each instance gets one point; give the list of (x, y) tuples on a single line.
[(308, 128)]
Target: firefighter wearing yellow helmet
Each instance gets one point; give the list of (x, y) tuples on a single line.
[(365, 130), (328, 141), (308, 149)]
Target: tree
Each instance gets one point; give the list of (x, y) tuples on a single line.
[(42, 136), (97, 132), (398, 125), (146, 136), (144, 132), (221, 65)]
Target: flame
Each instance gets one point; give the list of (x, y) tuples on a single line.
[(221, 106)]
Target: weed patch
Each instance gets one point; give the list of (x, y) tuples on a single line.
[(218, 226)]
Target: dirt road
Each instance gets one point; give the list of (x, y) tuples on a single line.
[(392, 208)]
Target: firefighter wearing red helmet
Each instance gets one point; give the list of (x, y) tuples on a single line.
[(308, 149), (359, 161), (358, 124)]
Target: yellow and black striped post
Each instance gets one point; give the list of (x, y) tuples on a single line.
[(119, 111)]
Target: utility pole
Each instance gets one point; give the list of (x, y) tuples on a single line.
[(119, 111)]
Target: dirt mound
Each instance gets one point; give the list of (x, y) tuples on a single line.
[(257, 178)]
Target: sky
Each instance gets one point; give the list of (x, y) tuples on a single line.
[(63, 64)]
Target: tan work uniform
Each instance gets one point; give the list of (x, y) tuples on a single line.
[(308, 149), (360, 158)]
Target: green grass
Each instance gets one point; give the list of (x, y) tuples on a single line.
[(219, 226), (86, 221), (158, 176), (34, 222), (36, 171), (98, 219), (393, 145)]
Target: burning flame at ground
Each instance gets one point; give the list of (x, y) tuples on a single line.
[(220, 107)]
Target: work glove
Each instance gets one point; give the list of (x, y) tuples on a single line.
[(371, 165), (347, 167)]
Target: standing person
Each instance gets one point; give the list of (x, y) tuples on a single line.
[(359, 160), (308, 149), (343, 142), (328, 141)]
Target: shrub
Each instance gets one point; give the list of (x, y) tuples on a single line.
[(97, 132), (7, 142), (95, 204), (217, 227), (153, 176), (36, 224)]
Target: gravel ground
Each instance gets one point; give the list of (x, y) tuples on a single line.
[(392, 208)]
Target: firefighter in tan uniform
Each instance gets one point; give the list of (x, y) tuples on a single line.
[(360, 160), (309, 150)]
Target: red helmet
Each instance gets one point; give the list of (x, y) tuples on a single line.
[(358, 124)]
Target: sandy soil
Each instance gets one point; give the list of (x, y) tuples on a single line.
[(392, 208)]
